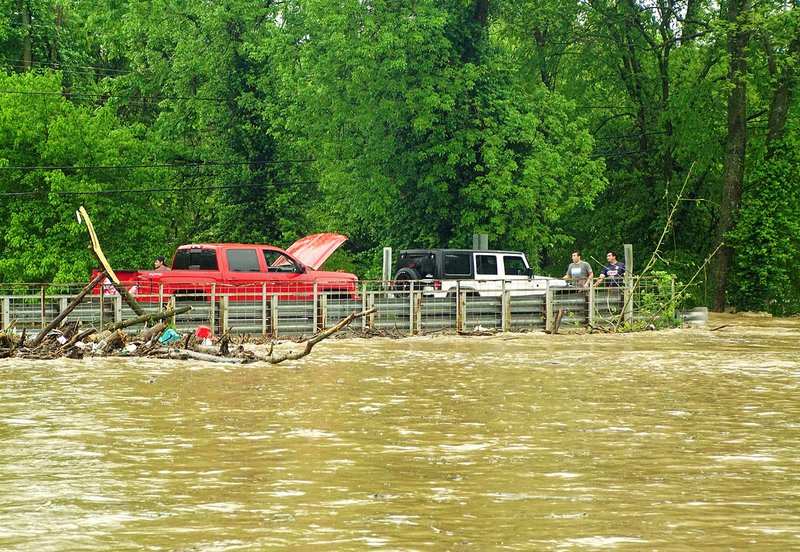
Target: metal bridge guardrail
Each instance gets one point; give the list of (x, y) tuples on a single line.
[(286, 312)]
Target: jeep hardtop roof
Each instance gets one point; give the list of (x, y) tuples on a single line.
[(441, 249)]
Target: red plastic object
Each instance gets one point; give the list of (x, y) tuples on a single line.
[(203, 332)]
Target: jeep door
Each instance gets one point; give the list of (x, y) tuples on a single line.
[(516, 271), (495, 272), (486, 274)]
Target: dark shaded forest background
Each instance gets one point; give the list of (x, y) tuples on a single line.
[(546, 124)]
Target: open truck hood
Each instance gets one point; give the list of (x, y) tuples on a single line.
[(315, 249)]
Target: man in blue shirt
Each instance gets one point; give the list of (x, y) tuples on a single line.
[(613, 271)]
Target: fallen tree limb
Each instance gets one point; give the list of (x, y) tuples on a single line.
[(80, 336), (147, 317), (114, 341), (151, 332), (184, 354), (101, 258), (324, 334), (74, 303)]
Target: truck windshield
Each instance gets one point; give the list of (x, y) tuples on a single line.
[(195, 259)]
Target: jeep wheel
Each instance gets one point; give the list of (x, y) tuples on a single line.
[(404, 278)]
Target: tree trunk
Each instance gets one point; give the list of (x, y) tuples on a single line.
[(691, 22), (27, 41), (59, 9), (781, 91), (733, 170)]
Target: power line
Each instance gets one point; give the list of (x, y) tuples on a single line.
[(147, 190), (152, 166), (106, 96), (68, 67)]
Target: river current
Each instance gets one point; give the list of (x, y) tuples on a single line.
[(680, 439)]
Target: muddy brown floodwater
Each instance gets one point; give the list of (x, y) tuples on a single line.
[(670, 440)]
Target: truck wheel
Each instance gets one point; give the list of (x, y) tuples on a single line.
[(403, 280)]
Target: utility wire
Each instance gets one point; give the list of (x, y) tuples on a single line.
[(68, 68), (107, 96), (147, 190), (153, 166)]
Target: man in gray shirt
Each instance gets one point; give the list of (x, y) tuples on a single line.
[(579, 272)]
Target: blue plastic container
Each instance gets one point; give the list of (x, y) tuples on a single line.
[(169, 336)]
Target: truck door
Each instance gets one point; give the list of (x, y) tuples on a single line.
[(244, 273), (286, 276)]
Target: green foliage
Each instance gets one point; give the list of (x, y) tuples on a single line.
[(41, 240), (546, 125), (767, 238), (420, 144)]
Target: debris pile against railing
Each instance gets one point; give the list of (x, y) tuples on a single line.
[(60, 339), (70, 341), (288, 313)]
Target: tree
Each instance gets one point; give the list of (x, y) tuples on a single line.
[(59, 150), (424, 136)]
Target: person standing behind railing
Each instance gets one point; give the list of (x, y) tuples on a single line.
[(612, 272), (579, 272), (612, 275), (159, 264)]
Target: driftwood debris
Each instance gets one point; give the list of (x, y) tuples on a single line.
[(63, 314), (70, 341), (241, 356), (148, 317)]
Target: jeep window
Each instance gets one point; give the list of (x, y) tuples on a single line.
[(278, 262), (195, 259), (486, 264), (514, 265), (242, 260), (457, 265)]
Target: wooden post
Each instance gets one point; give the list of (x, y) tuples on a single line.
[(370, 318), (411, 313), (212, 308), (117, 301), (264, 309), (364, 303), (505, 305), (387, 266), (6, 312), (417, 295), (315, 305), (273, 314), (628, 280), (323, 310), (44, 306), (461, 310), (223, 313), (548, 307)]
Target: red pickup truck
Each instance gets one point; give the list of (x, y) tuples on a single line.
[(245, 272)]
